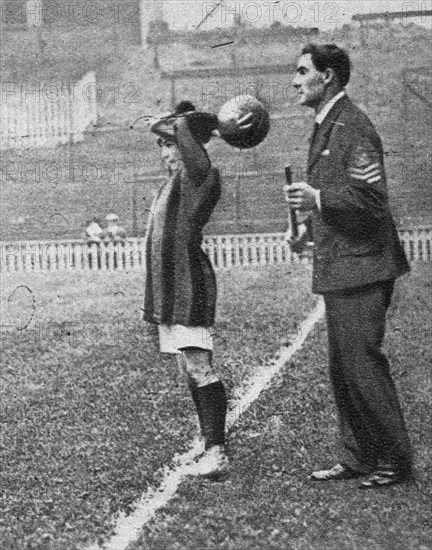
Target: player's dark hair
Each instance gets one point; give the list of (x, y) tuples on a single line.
[(330, 56), (184, 107)]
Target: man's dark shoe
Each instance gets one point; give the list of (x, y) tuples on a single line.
[(385, 477), (337, 473)]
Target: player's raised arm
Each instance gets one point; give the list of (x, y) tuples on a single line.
[(192, 131)]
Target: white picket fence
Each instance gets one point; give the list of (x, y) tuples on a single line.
[(224, 251), (417, 243), (46, 114)]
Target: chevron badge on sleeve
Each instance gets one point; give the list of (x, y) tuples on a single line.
[(365, 166)]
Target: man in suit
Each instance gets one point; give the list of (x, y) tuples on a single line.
[(357, 257)]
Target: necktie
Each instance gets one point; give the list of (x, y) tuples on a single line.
[(312, 138), (314, 133)]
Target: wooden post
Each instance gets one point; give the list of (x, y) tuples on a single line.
[(144, 22), (404, 105), (237, 196), (389, 27), (173, 92), (134, 210), (156, 63), (233, 56), (362, 35)]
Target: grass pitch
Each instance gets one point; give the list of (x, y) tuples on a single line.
[(89, 414)]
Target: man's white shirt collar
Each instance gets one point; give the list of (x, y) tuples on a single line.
[(325, 110)]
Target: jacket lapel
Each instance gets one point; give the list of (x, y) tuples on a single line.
[(323, 135)]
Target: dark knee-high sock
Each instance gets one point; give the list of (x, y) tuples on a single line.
[(213, 404), (193, 388)]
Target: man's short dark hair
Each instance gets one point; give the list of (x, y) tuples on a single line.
[(330, 56)]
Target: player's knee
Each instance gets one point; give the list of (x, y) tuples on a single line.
[(198, 366), (196, 356)]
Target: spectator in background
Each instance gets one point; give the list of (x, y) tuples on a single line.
[(113, 232), (93, 232)]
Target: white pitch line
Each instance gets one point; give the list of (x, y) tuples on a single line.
[(262, 377), (128, 528)]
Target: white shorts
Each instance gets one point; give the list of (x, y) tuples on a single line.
[(172, 338)]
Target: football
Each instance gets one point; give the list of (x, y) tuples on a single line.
[(236, 108)]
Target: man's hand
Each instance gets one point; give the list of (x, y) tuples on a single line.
[(302, 196)]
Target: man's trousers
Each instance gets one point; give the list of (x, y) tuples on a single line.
[(372, 427)]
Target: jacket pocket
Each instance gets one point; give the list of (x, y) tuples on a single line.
[(370, 248)]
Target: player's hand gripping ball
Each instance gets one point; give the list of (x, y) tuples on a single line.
[(243, 122)]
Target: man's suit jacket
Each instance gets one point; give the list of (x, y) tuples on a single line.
[(356, 241)]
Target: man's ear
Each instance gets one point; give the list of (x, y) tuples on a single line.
[(329, 76)]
